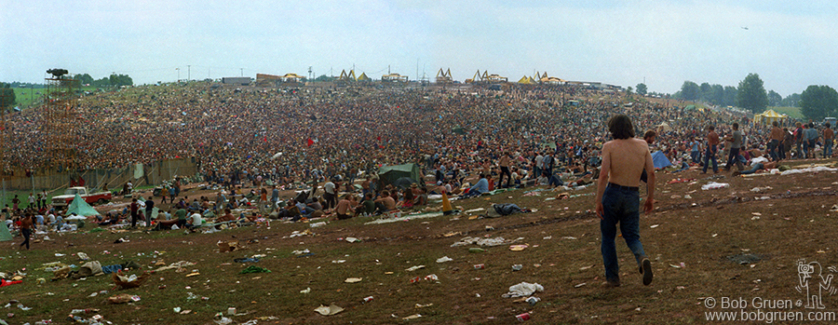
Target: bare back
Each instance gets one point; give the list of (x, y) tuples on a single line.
[(627, 159)]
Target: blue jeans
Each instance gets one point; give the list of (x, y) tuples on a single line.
[(733, 158), (694, 155), (555, 180), (773, 150), (620, 206), (709, 155), (827, 148), (753, 169)]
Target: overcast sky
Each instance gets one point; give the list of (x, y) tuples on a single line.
[(790, 45)]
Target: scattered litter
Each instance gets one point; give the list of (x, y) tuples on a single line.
[(518, 248), (353, 280), (585, 267), (298, 233), (714, 186), (523, 289), (424, 306), (517, 267), (416, 316), (328, 311), (580, 285), (497, 241), (414, 268), (246, 260), (306, 291), (744, 259), (338, 261), (301, 252), (121, 299), (653, 226), (444, 259), (317, 224), (352, 239), (224, 247), (254, 269)]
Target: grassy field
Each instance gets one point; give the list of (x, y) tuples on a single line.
[(793, 112), (691, 242), (25, 97)]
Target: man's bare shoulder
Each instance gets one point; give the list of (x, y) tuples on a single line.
[(624, 142)]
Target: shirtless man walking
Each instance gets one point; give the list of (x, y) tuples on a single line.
[(618, 200)]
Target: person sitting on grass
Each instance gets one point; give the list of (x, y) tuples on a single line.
[(481, 187), (194, 222), (343, 208), (369, 204), (228, 216), (407, 199), (385, 203)]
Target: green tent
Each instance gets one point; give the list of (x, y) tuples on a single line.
[(5, 235), (690, 107), (81, 208), (389, 174), (458, 130)]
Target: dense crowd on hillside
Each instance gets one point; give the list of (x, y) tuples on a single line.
[(301, 134)]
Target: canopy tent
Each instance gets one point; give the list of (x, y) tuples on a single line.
[(390, 174), (660, 160), (770, 116), (525, 81), (5, 235), (80, 207)]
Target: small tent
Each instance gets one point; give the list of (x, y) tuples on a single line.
[(80, 207), (390, 174), (769, 116), (5, 235), (660, 160)]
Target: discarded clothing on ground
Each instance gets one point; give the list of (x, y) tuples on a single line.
[(523, 289)]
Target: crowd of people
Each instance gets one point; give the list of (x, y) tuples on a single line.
[(300, 138)]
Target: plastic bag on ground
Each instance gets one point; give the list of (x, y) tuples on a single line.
[(523, 289)]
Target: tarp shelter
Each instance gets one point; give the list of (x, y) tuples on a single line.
[(664, 127), (80, 207), (690, 107), (390, 174), (660, 160), (5, 235), (458, 130), (769, 116)]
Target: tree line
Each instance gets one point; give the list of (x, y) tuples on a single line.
[(114, 80), (816, 102)]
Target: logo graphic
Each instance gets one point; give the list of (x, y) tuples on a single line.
[(805, 273)]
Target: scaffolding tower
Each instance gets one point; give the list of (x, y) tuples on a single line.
[(60, 119)]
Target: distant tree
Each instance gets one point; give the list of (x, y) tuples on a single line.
[(690, 91), (629, 90), (792, 100), (324, 77), (705, 91), (774, 99), (641, 88), (817, 102), (717, 95), (752, 95), (7, 96), (730, 96)]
